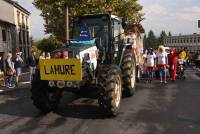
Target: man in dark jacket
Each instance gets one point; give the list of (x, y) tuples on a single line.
[(32, 64)]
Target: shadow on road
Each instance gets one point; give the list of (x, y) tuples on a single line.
[(81, 111), (17, 102)]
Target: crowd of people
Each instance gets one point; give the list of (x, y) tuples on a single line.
[(11, 72), (158, 63), (13, 69)]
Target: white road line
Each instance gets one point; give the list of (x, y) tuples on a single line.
[(26, 82)]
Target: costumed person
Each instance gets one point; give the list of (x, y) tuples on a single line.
[(183, 55), (150, 62), (162, 62), (172, 61)]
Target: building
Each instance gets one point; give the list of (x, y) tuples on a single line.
[(190, 41), (14, 28)]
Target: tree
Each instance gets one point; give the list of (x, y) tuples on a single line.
[(151, 40), (163, 35), (53, 11), (169, 34), (48, 45), (145, 41)]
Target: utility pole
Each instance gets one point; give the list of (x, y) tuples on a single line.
[(66, 23)]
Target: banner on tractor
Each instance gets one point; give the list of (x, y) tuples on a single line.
[(60, 69)]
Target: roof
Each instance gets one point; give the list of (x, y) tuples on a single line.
[(7, 22), (136, 27), (17, 5)]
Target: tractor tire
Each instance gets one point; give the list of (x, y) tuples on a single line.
[(44, 98), (139, 74), (129, 73), (110, 89)]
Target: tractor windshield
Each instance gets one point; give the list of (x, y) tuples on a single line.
[(90, 27)]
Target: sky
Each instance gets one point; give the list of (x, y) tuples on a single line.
[(176, 16)]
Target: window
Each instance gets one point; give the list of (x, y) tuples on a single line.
[(26, 21), (195, 40), (18, 17), (24, 38), (199, 39), (116, 30), (22, 19), (27, 34), (4, 35), (20, 39)]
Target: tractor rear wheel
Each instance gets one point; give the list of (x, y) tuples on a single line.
[(110, 89), (44, 98), (129, 73)]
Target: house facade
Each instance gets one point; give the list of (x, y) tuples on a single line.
[(192, 42), (14, 29)]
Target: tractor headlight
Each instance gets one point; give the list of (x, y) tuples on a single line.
[(60, 84), (51, 83)]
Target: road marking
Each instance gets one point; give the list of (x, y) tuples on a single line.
[(26, 82)]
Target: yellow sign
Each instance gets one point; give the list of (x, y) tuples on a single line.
[(60, 69)]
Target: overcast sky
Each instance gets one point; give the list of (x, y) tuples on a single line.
[(177, 16)]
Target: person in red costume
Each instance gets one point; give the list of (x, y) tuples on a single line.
[(172, 61)]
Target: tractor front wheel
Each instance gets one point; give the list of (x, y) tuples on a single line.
[(110, 89), (44, 98)]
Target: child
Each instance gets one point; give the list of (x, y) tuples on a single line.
[(162, 62), (9, 78), (150, 61)]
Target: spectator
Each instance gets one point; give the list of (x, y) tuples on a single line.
[(48, 56), (65, 55), (32, 64), (9, 71), (42, 56), (1, 68), (1, 64), (18, 66)]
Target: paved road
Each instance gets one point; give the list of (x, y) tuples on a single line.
[(155, 109)]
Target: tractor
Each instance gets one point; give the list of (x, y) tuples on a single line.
[(97, 55)]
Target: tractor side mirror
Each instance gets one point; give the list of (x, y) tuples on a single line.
[(124, 22)]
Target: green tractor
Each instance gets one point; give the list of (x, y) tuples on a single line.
[(97, 56)]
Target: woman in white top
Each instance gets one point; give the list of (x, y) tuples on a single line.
[(162, 62), (150, 62)]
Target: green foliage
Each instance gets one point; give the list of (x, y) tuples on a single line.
[(54, 11), (48, 45), (163, 35), (151, 41), (169, 34)]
